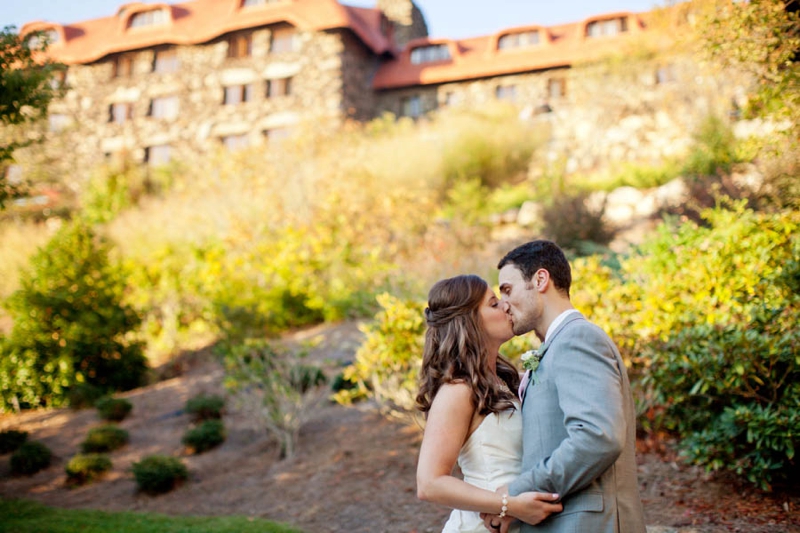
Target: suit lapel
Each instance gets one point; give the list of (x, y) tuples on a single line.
[(544, 347)]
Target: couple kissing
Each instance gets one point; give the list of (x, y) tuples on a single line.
[(550, 451)]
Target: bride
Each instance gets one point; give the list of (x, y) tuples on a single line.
[(472, 416)]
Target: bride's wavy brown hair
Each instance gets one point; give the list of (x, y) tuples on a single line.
[(455, 347)]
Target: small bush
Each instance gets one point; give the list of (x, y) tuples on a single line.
[(71, 324), (113, 409), (272, 386), (84, 395), (104, 439), (157, 474), (572, 224), (387, 362), (85, 467), (206, 435), (29, 458), (205, 407), (11, 439)]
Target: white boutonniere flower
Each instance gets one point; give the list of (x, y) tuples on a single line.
[(530, 360)]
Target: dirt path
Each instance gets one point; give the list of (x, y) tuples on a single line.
[(354, 471)]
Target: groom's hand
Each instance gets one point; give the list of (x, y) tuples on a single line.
[(533, 507), (495, 524)]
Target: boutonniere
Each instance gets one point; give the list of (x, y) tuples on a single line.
[(530, 360)]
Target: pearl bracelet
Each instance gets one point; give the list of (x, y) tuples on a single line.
[(504, 508)]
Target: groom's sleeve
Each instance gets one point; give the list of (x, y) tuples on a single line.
[(589, 386)]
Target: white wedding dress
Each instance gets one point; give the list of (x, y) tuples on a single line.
[(491, 458)]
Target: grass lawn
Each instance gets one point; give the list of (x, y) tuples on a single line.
[(21, 516)]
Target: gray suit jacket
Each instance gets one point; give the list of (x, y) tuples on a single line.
[(579, 433)]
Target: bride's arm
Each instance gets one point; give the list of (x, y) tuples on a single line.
[(446, 429)]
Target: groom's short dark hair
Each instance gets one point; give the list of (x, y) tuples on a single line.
[(532, 256)]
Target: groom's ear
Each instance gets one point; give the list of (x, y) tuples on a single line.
[(540, 279)]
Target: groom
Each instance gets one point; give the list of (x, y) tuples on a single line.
[(578, 414)]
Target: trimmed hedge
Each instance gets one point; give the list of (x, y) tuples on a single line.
[(157, 474), (83, 468), (104, 439), (29, 458)]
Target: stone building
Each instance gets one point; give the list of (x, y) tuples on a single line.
[(157, 82)]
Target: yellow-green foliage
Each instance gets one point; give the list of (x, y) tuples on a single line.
[(707, 317), (19, 242), (387, 363)]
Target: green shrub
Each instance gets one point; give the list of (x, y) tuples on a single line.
[(273, 386), (84, 395), (104, 439), (11, 439), (83, 468), (707, 316), (205, 407), (387, 362), (569, 222), (70, 325), (156, 474), (714, 150), (204, 436), (113, 409), (29, 458)]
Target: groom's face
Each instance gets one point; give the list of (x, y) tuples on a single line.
[(523, 303)]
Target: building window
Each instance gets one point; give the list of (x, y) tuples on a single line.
[(240, 45), (506, 92), (237, 94), (251, 3), (57, 121), (279, 87), (430, 54), (605, 28), (235, 143), (518, 40), (165, 61), (556, 87), (154, 17), (665, 74), (159, 154), (120, 112), (164, 107), (282, 40), (123, 66), (411, 106), (42, 38), (450, 99), (277, 135)]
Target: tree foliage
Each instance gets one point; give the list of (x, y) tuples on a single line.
[(26, 90), (71, 326), (760, 38)]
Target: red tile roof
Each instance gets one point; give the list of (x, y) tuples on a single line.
[(480, 57), (200, 21)]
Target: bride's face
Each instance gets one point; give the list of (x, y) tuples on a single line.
[(495, 320)]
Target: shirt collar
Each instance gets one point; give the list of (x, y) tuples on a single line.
[(557, 322)]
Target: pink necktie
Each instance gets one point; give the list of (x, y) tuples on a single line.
[(526, 377)]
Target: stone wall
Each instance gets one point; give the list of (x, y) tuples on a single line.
[(406, 18), (315, 68), (642, 111)]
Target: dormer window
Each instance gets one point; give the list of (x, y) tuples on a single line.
[(38, 39), (252, 3), (518, 40), (430, 54), (605, 28), (154, 17)]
